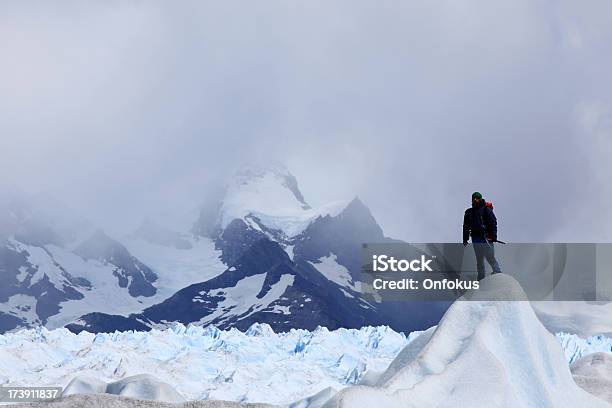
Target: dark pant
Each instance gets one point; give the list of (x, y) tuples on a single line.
[(484, 249)]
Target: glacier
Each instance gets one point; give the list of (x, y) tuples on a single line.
[(204, 362), (208, 363)]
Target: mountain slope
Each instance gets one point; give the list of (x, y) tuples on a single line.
[(288, 265), (128, 270), (263, 285), (108, 284), (44, 277), (33, 285), (341, 235)]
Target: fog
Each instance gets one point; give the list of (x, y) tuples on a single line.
[(124, 109)]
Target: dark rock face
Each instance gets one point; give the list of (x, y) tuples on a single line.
[(236, 239), (342, 235), (291, 183), (103, 323), (9, 322), (128, 270), (20, 277), (11, 261)]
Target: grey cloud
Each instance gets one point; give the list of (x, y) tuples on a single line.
[(127, 108)]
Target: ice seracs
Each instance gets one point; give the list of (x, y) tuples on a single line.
[(576, 347), (259, 330), (201, 362)]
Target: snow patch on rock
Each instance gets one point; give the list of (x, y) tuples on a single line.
[(332, 270)]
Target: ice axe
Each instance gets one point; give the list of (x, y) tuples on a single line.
[(491, 241)]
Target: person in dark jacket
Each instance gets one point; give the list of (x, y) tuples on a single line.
[(480, 223)]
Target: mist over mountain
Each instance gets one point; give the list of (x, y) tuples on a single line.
[(288, 264), (409, 107), (257, 252)]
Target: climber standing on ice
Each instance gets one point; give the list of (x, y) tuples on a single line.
[(480, 223)]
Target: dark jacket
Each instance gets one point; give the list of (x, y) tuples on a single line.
[(480, 221)]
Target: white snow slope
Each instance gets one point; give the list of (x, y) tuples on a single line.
[(482, 354), (175, 269), (594, 374)]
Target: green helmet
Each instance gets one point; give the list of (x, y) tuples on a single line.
[(477, 195)]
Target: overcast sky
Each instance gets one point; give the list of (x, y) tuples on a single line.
[(124, 108)]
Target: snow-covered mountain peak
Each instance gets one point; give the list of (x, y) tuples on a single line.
[(268, 177), (267, 190), (266, 198)]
